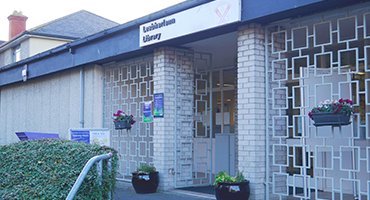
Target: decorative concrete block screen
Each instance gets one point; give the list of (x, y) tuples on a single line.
[(127, 85), (310, 60)]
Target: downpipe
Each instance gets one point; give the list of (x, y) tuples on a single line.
[(82, 97), (82, 89), (267, 144)]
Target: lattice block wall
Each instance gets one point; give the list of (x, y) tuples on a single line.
[(310, 60), (127, 85)]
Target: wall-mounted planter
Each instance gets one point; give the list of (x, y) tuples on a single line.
[(331, 119), (118, 125)]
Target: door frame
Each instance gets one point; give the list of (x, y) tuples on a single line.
[(212, 140)]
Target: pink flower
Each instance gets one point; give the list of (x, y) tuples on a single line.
[(341, 105), (310, 114), (339, 108), (349, 101), (122, 116)]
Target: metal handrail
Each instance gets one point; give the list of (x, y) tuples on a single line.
[(72, 193)]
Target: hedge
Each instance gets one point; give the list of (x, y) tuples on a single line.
[(47, 169)]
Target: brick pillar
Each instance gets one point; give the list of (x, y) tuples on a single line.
[(174, 76), (251, 107)]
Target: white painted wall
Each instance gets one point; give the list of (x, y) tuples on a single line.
[(5, 57), (38, 45), (30, 47), (25, 49), (50, 104)]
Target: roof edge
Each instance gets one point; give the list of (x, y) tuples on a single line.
[(105, 33)]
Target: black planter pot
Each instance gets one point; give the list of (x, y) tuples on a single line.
[(233, 191), (145, 183), (122, 125), (330, 119)]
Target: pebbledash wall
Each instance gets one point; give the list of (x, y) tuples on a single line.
[(51, 104), (273, 84)]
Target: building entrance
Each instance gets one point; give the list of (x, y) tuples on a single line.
[(213, 143), (214, 124)]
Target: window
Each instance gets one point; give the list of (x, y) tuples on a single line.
[(17, 53)]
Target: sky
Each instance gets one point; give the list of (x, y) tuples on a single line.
[(42, 11)]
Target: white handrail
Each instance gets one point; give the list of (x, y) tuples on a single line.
[(72, 193)]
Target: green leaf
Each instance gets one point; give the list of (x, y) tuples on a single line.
[(47, 169)]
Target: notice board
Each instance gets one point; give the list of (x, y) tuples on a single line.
[(91, 136)]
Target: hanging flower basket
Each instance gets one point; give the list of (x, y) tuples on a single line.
[(122, 125), (330, 119), (332, 113), (122, 120)]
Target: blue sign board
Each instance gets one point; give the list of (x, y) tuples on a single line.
[(158, 105), (147, 112), (80, 136)]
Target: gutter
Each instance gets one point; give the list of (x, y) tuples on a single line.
[(160, 14), (25, 35), (115, 30), (53, 36), (14, 42)]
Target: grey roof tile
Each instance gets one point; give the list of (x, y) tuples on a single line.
[(76, 25)]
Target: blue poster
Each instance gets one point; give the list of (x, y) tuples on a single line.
[(80, 136), (158, 105), (147, 112)]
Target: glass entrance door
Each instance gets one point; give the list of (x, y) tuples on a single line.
[(214, 124), (223, 112)]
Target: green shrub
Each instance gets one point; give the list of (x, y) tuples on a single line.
[(47, 169), (223, 177), (145, 168)]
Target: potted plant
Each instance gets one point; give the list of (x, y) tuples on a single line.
[(145, 179), (122, 120), (231, 187), (332, 113)]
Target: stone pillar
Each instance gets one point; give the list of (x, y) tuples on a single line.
[(174, 76), (251, 107)]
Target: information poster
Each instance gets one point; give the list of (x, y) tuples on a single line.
[(147, 112), (100, 137), (80, 136), (91, 136), (158, 105)]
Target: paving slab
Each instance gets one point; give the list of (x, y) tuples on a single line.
[(124, 191)]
